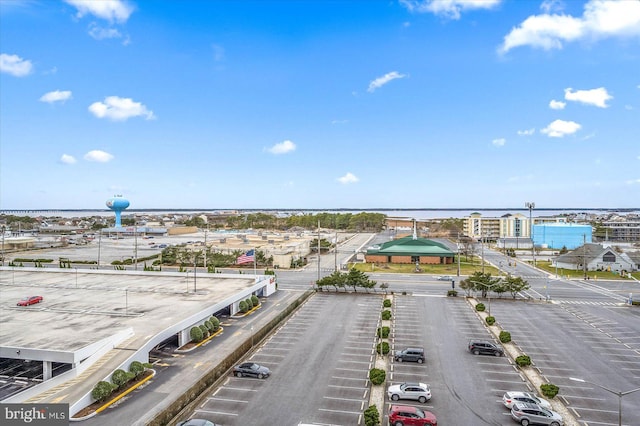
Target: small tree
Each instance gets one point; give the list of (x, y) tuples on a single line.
[(102, 390), (205, 332), (480, 307), (387, 302), (371, 416), (383, 332), (254, 300), (120, 377), (137, 368), (384, 287), (505, 336), (209, 326), (196, 334), (523, 360), (386, 315), (549, 390), (490, 320), (215, 322), (377, 376), (243, 306), (515, 285), (249, 303), (382, 348)]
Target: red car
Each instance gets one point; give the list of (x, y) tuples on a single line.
[(406, 415), (31, 300)]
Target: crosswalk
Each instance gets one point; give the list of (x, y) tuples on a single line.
[(586, 302)]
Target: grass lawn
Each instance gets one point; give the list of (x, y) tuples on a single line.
[(599, 275), (466, 268)]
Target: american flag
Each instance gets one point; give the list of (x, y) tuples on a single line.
[(248, 257)]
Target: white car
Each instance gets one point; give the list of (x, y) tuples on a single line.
[(509, 398), (416, 391)]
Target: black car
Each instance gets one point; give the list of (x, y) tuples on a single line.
[(415, 354), (251, 369), (485, 347)]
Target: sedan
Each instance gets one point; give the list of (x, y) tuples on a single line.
[(196, 422), (415, 391), (445, 278), (509, 398), (31, 300), (251, 369)]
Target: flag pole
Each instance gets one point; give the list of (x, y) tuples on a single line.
[(255, 260)]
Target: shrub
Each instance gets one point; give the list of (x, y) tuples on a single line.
[(490, 320), (386, 315), (196, 334), (386, 304), (480, 307), (371, 416), (121, 377), (383, 332), (137, 368), (382, 348), (549, 390), (377, 376), (452, 293), (523, 360), (254, 300), (249, 303), (209, 326), (215, 322), (505, 336), (243, 306), (205, 332), (102, 390)]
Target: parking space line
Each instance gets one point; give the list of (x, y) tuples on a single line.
[(349, 369), (215, 398), (567, 397), (341, 411), (234, 388), (346, 387), (348, 378), (594, 409), (343, 399), (216, 412)]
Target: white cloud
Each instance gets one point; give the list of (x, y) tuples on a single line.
[(282, 147), (633, 182), (448, 8), (98, 156), (527, 132), (597, 97), (15, 65), (381, 81), (601, 19), (557, 104), (56, 96), (100, 33), (119, 109), (339, 121), (67, 159), (348, 178), (499, 142), (559, 128), (110, 10), (552, 6)]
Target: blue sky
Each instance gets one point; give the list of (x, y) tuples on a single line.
[(319, 104)]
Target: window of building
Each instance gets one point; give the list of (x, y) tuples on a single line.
[(609, 257)]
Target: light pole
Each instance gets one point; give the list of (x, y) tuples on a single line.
[(618, 393), (531, 206), (99, 243)]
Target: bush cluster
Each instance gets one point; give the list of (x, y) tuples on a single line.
[(383, 332), (377, 376), (480, 307), (196, 334), (523, 360), (371, 416), (505, 336), (386, 315), (549, 390), (490, 320), (119, 379), (382, 348), (386, 304)]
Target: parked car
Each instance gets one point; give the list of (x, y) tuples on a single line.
[(416, 391), (405, 415), (31, 300), (509, 398), (531, 414), (251, 369), (415, 354), (485, 347), (196, 422)]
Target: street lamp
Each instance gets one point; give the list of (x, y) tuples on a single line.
[(531, 206), (618, 393)]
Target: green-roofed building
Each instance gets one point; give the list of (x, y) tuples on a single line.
[(410, 250)]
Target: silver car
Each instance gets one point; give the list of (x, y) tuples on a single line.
[(510, 398), (416, 391), (531, 414)]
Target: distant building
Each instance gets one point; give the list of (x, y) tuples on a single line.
[(558, 235), (622, 230), (595, 257), (410, 250)]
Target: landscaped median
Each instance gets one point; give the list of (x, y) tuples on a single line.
[(378, 374), (528, 369)]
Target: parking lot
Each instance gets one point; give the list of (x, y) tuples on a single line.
[(466, 389), (319, 361), (599, 344)]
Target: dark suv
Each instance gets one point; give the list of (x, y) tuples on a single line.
[(485, 347), (415, 354)]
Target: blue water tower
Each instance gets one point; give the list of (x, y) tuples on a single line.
[(117, 204)]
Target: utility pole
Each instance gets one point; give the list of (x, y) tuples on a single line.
[(318, 250), (205, 248), (584, 255), (99, 243), (458, 244), (135, 239), (335, 254), (531, 206)]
